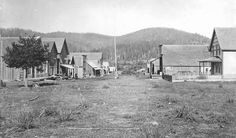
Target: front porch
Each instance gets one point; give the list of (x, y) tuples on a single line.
[(211, 67)]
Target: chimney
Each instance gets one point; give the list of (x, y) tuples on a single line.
[(84, 65), (161, 57), (160, 50)]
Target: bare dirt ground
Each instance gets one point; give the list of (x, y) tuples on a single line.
[(131, 106)]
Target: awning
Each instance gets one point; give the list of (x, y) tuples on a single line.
[(67, 66), (98, 68), (211, 59)]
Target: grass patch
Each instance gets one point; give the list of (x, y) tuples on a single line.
[(150, 131), (156, 86), (202, 77), (220, 85), (105, 87)]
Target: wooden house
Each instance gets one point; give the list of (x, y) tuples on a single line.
[(181, 61), (153, 65), (92, 62), (6, 73), (58, 52), (222, 53), (79, 64), (58, 62), (105, 66)]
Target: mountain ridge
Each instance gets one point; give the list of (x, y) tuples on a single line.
[(136, 45)]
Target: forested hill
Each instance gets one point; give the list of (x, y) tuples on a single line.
[(143, 44), (138, 45)]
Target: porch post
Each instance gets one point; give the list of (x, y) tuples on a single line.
[(199, 68), (203, 67)]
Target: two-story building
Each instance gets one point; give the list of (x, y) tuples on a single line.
[(58, 52), (223, 53)]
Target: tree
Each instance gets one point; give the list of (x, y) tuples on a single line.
[(28, 52)]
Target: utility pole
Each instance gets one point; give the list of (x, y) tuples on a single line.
[(1, 69), (116, 74)]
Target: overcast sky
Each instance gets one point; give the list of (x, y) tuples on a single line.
[(117, 16)]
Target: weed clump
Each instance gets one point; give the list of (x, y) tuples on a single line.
[(229, 99), (65, 115), (50, 111), (220, 85), (171, 100), (186, 113), (24, 120)]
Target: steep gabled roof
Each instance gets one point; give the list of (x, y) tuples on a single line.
[(58, 41), (90, 55), (226, 38), (184, 55), (50, 44)]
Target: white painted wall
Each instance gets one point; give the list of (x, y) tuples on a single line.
[(229, 64), (78, 71)]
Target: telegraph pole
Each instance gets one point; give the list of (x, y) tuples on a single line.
[(116, 74), (1, 69)]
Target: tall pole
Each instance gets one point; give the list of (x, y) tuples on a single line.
[(1, 73), (116, 74)]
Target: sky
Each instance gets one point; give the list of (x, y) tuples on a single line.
[(117, 17)]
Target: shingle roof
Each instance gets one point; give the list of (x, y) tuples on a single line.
[(184, 55), (90, 55), (58, 41), (226, 38)]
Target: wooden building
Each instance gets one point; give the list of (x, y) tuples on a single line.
[(6, 73), (79, 64), (181, 61), (91, 61), (223, 53), (58, 55), (58, 52)]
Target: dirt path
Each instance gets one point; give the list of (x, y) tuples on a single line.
[(117, 100)]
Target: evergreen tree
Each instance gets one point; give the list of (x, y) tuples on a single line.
[(28, 52)]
